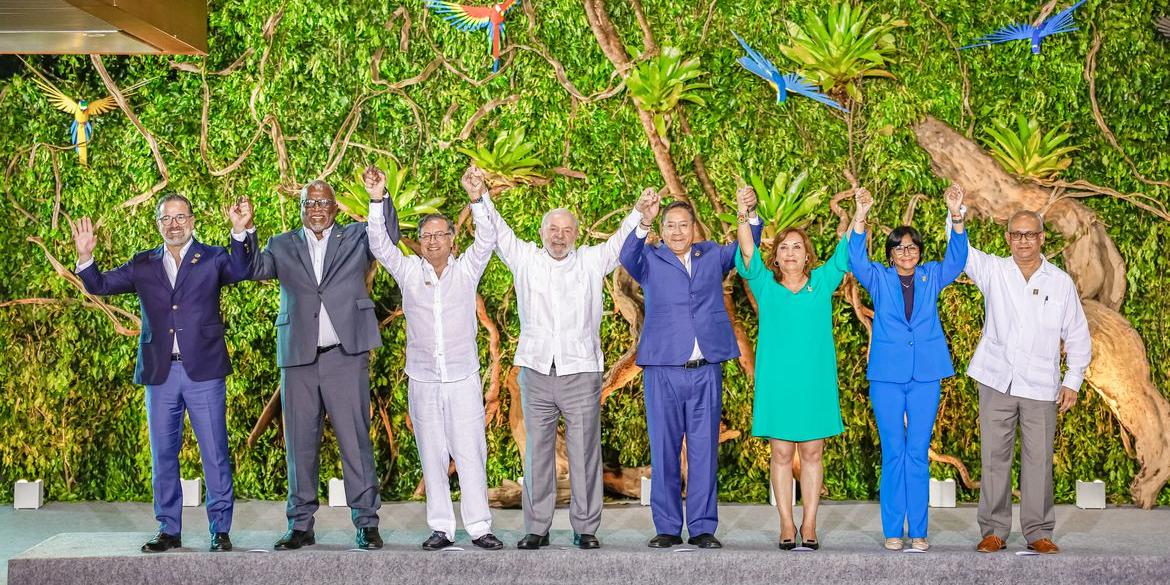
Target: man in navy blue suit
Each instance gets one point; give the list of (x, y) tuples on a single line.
[(182, 355), (685, 340)]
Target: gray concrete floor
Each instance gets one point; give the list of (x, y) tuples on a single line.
[(844, 526)]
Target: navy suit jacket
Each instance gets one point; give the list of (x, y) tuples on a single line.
[(901, 350), (189, 310), (682, 308)]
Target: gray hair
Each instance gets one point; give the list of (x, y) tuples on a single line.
[(435, 217), (172, 197), (544, 221), (1026, 213), (317, 184)]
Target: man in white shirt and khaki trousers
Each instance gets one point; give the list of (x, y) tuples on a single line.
[(442, 359), (559, 294), (1031, 307)]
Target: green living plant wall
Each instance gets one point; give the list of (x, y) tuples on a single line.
[(289, 82)]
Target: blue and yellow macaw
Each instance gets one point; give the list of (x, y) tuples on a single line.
[(782, 83), (469, 18), (81, 130)]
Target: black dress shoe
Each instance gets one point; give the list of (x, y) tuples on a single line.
[(369, 538), (294, 539), (489, 542), (664, 541), (438, 540), (532, 541), (585, 541), (162, 542), (220, 542), (705, 540)]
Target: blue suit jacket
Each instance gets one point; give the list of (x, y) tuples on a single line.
[(681, 308), (902, 350), (190, 309)]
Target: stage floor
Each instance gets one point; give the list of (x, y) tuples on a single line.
[(89, 542)]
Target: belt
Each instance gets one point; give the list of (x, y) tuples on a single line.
[(326, 348), (695, 364), (175, 357)]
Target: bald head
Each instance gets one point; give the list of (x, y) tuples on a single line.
[(1025, 220)]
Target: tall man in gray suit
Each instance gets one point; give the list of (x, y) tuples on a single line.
[(324, 333)]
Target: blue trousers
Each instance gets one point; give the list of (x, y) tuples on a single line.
[(684, 402), (206, 404), (905, 420)]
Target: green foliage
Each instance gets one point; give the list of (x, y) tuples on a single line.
[(659, 83), (510, 158), (1026, 151), (786, 203), (71, 414), (839, 49)]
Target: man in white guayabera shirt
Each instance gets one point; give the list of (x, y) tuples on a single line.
[(558, 290), (442, 360), (1031, 307)]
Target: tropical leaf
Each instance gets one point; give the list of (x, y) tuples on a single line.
[(406, 195), (509, 161), (658, 84), (1026, 151), (787, 202)]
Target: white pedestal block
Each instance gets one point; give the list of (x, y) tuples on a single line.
[(645, 499), (1091, 495), (942, 493), (772, 493), (192, 492), (337, 493), (28, 495)]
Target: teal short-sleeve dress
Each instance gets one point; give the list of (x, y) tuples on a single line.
[(796, 357)]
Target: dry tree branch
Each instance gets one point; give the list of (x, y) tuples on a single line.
[(150, 140), (476, 117), (965, 111), (114, 313)]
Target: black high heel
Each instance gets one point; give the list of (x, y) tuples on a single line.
[(790, 543), (811, 544)]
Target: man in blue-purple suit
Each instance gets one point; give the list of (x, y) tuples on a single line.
[(182, 355), (685, 340)]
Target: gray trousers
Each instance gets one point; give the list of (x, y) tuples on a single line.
[(337, 384), (999, 415), (546, 399)]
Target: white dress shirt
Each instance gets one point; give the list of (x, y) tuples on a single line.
[(171, 268), (559, 301), (441, 324), (1024, 325), (326, 334)]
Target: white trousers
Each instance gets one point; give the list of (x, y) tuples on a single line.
[(448, 424)]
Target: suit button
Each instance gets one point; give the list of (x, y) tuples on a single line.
[(170, 330), (911, 343), (314, 315), (174, 307)]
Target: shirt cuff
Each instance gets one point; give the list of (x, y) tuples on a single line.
[(754, 220), (375, 213), (1073, 381), (640, 232), (83, 265), (243, 235)]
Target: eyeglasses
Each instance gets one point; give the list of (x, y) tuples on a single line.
[(432, 236), (318, 203), (169, 219), (1026, 236), (906, 249)]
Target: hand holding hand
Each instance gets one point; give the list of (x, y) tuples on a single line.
[(474, 181), (241, 215), (746, 200), (954, 198), (864, 201), (83, 238), (648, 204), (375, 182)]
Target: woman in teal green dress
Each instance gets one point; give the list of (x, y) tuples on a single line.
[(796, 406)]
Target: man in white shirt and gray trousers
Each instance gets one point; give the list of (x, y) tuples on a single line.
[(1031, 307), (442, 359), (559, 294)]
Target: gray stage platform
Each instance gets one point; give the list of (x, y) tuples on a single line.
[(98, 543)]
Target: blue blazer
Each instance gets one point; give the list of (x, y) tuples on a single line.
[(681, 308), (901, 350), (190, 309)]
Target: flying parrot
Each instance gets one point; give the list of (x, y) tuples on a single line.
[(469, 18), (782, 83), (81, 130), (1061, 23)]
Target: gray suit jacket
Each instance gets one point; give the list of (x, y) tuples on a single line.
[(342, 289)]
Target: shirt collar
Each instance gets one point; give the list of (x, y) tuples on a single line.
[(182, 251), (312, 238)]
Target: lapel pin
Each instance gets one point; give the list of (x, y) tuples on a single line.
[(698, 253), (923, 278), (196, 258)]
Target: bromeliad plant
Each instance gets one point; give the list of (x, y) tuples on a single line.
[(658, 84), (1026, 151), (784, 204), (407, 197), (838, 50), (509, 161)]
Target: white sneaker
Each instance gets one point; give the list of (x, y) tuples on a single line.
[(893, 544), (919, 544)]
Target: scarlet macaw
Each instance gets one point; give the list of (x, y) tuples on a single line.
[(469, 18)]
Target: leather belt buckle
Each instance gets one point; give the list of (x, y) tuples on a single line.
[(175, 357), (327, 348), (695, 364)]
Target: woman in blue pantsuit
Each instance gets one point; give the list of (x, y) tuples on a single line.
[(908, 357)]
